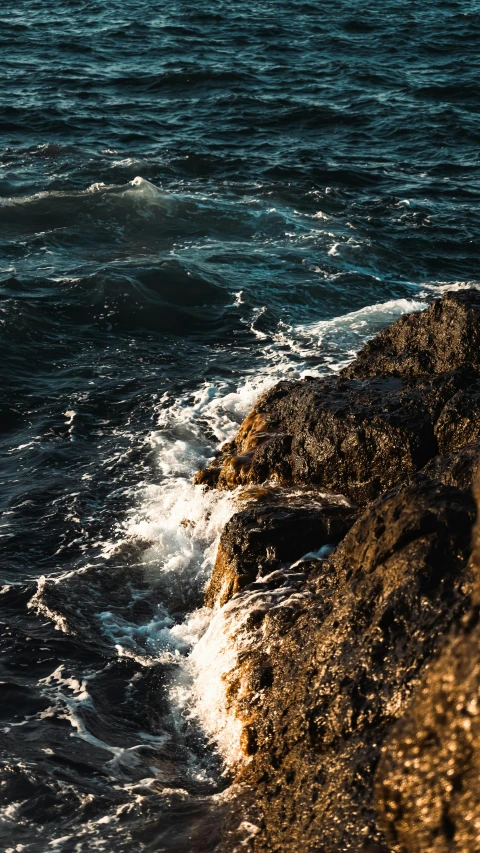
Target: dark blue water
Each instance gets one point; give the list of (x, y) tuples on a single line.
[(196, 200)]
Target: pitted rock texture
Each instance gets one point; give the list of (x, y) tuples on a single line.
[(445, 336), (459, 423), (344, 654), (357, 437), (455, 469), (428, 781), (279, 526), (411, 393)]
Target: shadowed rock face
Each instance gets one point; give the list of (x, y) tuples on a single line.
[(280, 526), (428, 781), (411, 393), (456, 469), (459, 423), (334, 671)]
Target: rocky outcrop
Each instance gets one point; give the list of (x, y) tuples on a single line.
[(357, 437), (345, 652), (428, 782), (278, 526), (410, 394), (370, 654)]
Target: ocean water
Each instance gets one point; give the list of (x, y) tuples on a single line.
[(196, 200)]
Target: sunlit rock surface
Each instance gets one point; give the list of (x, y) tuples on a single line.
[(428, 782), (334, 667), (368, 430), (330, 664)]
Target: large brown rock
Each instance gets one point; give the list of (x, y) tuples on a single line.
[(357, 437), (331, 668), (428, 781), (411, 393)]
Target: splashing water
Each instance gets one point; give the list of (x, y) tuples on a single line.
[(178, 232)]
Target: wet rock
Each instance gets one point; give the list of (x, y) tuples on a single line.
[(357, 437), (345, 651), (334, 665), (445, 336), (455, 469), (278, 526), (428, 781), (459, 422), (411, 393), (260, 450)]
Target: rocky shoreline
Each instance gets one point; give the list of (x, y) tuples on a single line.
[(352, 596)]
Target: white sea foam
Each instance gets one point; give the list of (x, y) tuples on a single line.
[(138, 188), (183, 522), (214, 663), (367, 321), (338, 340), (345, 247), (147, 189), (204, 695), (38, 604), (441, 287)]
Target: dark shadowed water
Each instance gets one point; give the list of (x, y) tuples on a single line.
[(196, 199)]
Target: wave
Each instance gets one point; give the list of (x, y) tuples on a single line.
[(185, 78), (165, 298), (172, 530), (183, 522), (138, 211)]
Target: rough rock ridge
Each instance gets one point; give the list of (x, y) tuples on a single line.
[(381, 420), (358, 688)]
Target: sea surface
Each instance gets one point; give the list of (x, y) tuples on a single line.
[(196, 200)]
